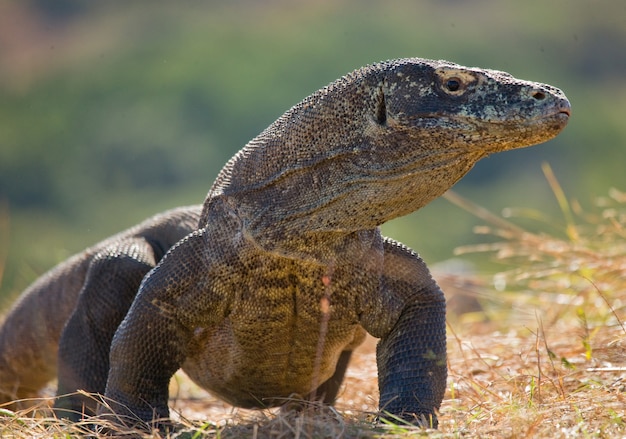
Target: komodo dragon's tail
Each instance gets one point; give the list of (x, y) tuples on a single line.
[(29, 336)]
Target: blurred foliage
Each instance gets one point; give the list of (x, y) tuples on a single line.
[(111, 111)]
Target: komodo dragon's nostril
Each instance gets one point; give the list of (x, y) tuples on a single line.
[(539, 95)]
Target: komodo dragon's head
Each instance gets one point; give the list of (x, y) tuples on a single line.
[(382, 142), (446, 107)]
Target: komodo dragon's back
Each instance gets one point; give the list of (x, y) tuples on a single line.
[(287, 268), (29, 336)]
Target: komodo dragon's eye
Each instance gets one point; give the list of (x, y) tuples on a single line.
[(453, 84)]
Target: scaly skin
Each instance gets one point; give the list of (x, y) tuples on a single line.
[(287, 269)]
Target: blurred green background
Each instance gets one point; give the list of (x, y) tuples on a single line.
[(113, 111)]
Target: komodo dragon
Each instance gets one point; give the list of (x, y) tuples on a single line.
[(285, 269)]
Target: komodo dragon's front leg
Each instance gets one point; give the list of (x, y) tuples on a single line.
[(412, 356), (141, 367)]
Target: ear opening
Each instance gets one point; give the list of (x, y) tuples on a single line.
[(381, 107)]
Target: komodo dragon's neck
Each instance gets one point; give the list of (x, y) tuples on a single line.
[(379, 143)]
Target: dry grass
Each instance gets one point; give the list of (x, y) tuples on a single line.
[(549, 359), (544, 358)]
